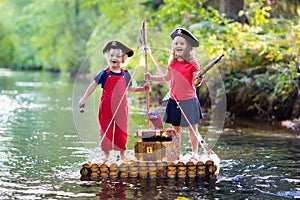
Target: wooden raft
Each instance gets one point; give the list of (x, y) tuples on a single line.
[(157, 155), (153, 169)]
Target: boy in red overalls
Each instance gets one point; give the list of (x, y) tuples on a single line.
[(113, 109)]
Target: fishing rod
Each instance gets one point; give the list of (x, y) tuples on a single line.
[(206, 68)]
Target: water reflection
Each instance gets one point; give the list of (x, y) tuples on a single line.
[(41, 153)]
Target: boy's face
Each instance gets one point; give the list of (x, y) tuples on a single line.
[(115, 57), (179, 46)]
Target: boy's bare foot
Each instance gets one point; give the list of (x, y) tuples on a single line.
[(106, 156), (122, 155)]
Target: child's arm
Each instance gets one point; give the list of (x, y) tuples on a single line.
[(162, 78), (145, 87), (87, 93)]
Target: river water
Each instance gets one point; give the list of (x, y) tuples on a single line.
[(42, 151)]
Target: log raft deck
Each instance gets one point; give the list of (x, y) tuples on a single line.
[(156, 156)]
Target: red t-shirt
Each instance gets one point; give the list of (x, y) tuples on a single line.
[(182, 86)]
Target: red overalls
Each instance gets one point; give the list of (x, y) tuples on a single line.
[(113, 106)]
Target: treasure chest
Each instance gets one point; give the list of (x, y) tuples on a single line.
[(157, 145)]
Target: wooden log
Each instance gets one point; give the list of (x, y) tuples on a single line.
[(86, 165), (171, 166), (104, 168), (85, 171), (171, 174), (191, 165), (113, 167), (191, 173), (152, 174), (181, 169), (152, 166), (123, 174), (209, 162), (143, 169), (201, 173), (133, 167), (133, 174), (95, 174), (123, 170), (142, 165), (162, 169), (180, 166), (143, 174), (181, 174), (212, 169), (104, 174), (199, 163), (94, 167), (152, 169), (191, 169), (123, 167), (113, 174), (200, 169)]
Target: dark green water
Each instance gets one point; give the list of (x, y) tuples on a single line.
[(42, 152)]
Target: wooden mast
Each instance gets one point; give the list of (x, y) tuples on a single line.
[(146, 64)]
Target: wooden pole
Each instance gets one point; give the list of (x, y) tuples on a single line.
[(146, 63)]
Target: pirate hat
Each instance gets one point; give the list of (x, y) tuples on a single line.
[(185, 34), (118, 45)]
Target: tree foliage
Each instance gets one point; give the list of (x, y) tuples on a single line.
[(261, 69)]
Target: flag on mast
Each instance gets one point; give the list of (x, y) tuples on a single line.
[(142, 36)]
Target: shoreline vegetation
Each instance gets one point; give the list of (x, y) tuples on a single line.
[(261, 69)]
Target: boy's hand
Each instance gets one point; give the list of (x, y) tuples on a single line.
[(81, 104), (146, 87), (147, 77)]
